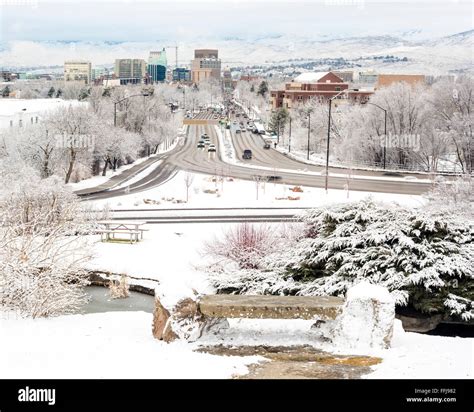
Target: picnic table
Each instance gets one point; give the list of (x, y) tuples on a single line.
[(132, 229)]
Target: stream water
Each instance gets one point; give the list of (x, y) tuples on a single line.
[(102, 302)]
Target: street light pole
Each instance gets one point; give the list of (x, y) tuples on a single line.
[(289, 138), (309, 128), (385, 132), (121, 100)]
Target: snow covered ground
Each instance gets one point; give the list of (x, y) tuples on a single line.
[(114, 345), (171, 254), (242, 193)]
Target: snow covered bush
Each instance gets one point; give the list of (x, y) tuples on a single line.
[(425, 258), (244, 244), (42, 245), (455, 195)]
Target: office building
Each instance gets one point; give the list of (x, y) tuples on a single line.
[(77, 70), (320, 86), (205, 65), (130, 71), (156, 68)]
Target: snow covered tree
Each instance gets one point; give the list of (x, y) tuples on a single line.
[(278, 121), (263, 89), (43, 245), (424, 258)]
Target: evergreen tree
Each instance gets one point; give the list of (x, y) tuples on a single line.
[(263, 89), (6, 91), (278, 121), (252, 88), (423, 257), (51, 92), (84, 94), (59, 93)]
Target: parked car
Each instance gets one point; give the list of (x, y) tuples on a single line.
[(273, 178), (267, 145), (212, 148), (247, 154), (237, 130)]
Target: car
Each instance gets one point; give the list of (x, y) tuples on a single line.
[(410, 178), (237, 130), (247, 154), (273, 178), (255, 130), (243, 129), (200, 145), (212, 148), (267, 145), (227, 126)]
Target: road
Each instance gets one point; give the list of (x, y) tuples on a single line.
[(200, 161), (188, 157)]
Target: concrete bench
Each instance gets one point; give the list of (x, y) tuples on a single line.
[(270, 307)]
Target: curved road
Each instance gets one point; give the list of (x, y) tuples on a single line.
[(187, 157)]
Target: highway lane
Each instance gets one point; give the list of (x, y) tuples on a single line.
[(273, 158), (189, 158), (198, 160)]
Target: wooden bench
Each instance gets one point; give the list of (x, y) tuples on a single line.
[(271, 307)]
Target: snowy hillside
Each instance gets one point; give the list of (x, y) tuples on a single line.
[(435, 56)]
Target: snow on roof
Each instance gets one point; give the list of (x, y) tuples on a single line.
[(310, 77)]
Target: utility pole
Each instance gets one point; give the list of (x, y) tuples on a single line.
[(309, 128), (289, 138)]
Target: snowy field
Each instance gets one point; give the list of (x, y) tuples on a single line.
[(229, 192)]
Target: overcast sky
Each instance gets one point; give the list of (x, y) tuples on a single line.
[(129, 20)]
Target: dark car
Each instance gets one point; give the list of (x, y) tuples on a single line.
[(247, 154), (273, 178), (237, 130), (267, 145)]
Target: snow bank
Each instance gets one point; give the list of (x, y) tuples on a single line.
[(367, 318)]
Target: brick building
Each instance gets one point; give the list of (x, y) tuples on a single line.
[(319, 86)]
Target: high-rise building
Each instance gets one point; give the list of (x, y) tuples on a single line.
[(205, 65), (156, 68), (227, 82), (77, 70), (180, 74), (130, 70)]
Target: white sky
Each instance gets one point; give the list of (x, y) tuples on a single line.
[(180, 20)]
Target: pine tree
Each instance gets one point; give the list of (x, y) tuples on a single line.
[(423, 257), (263, 89), (6, 91), (278, 120), (51, 92)]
